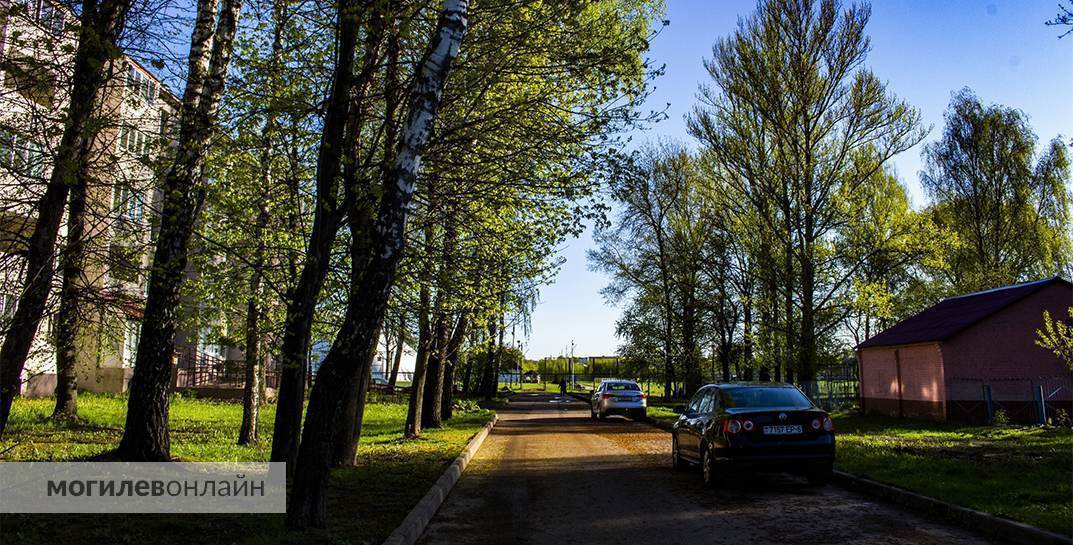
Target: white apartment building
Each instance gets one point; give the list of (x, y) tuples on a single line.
[(137, 116)]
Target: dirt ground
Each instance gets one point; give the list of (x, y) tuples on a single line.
[(550, 474)]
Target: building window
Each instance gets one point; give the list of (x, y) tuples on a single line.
[(131, 335), (52, 18), (134, 141), (127, 202), (139, 86), (21, 155), (8, 302)]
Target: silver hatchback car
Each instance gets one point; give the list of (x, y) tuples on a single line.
[(619, 397)]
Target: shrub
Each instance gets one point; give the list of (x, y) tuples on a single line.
[(1001, 419)]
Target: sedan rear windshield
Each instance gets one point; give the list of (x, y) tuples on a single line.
[(764, 397), (621, 386)]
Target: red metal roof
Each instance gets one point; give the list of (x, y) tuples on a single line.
[(955, 314)]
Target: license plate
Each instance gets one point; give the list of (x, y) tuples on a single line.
[(782, 430)]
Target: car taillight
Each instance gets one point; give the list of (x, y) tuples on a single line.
[(606, 396), (731, 426), (828, 424), (747, 425), (644, 395), (816, 423)]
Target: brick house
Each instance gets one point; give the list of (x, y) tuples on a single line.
[(967, 357)]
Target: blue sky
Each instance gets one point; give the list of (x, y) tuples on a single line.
[(925, 50)]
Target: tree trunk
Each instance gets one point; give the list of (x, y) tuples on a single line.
[(424, 340), (251, 391), (400, 344), (437, 370), (298, 325), (346, 442), (489, 378), (454, 347), (145, 435), (806, 371), (71, 320), (100, 26), (690, 351), (308, 503), (253, 388)]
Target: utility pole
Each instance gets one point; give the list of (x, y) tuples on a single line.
[(571, 361)]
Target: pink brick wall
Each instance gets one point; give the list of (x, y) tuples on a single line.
[(921, 370), (1001, 349)]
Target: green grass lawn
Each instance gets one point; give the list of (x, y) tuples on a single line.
[(662, 413), (367, 502), (1022, 473)]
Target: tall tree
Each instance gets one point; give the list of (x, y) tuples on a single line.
[(357, 335), (328, 214), (796, 121), (1008, 207), (146, 434), (101, 24)]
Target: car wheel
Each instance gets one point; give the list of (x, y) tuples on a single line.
[(676, 458), (708, 469), (592, 412), (642, 414), (819, 477), (600, 415)]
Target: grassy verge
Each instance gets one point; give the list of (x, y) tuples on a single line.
[(662, 413), (366, 502), (1022, 473)]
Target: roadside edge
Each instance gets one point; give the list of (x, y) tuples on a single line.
[(411, 527), (985, 523)]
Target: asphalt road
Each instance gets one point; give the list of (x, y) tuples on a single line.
[(549, 474)]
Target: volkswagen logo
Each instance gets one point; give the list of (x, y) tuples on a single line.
[(782, 417)]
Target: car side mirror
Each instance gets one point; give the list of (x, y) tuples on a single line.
[(679, 409)]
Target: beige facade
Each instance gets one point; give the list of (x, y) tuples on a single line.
[(137, 118)]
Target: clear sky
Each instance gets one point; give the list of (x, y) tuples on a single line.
[(924, 49)]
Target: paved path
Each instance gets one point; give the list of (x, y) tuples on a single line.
[(549, 474)]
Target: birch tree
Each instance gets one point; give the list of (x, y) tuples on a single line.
[(146, 434), (308, 502)]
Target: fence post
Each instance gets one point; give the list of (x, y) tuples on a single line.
[(1041, 403), (988, 404)]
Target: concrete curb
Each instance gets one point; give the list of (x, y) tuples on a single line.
[(415, 522), (1005, 529), (988, 524)]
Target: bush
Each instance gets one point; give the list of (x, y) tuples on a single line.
[(1001, 419), (466, 406), (1062, 419)]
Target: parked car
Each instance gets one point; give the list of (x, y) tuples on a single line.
[(622, 397), (760, 426)]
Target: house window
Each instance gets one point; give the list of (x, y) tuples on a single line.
[(7, 307), (164, 124), (51, 18), (139, 86), (22, 155), (207, 347), (131, 335), (127, 202), (134, 141)]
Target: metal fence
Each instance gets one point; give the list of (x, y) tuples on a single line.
[(198, 370), (834, 389), (1024, 400)]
